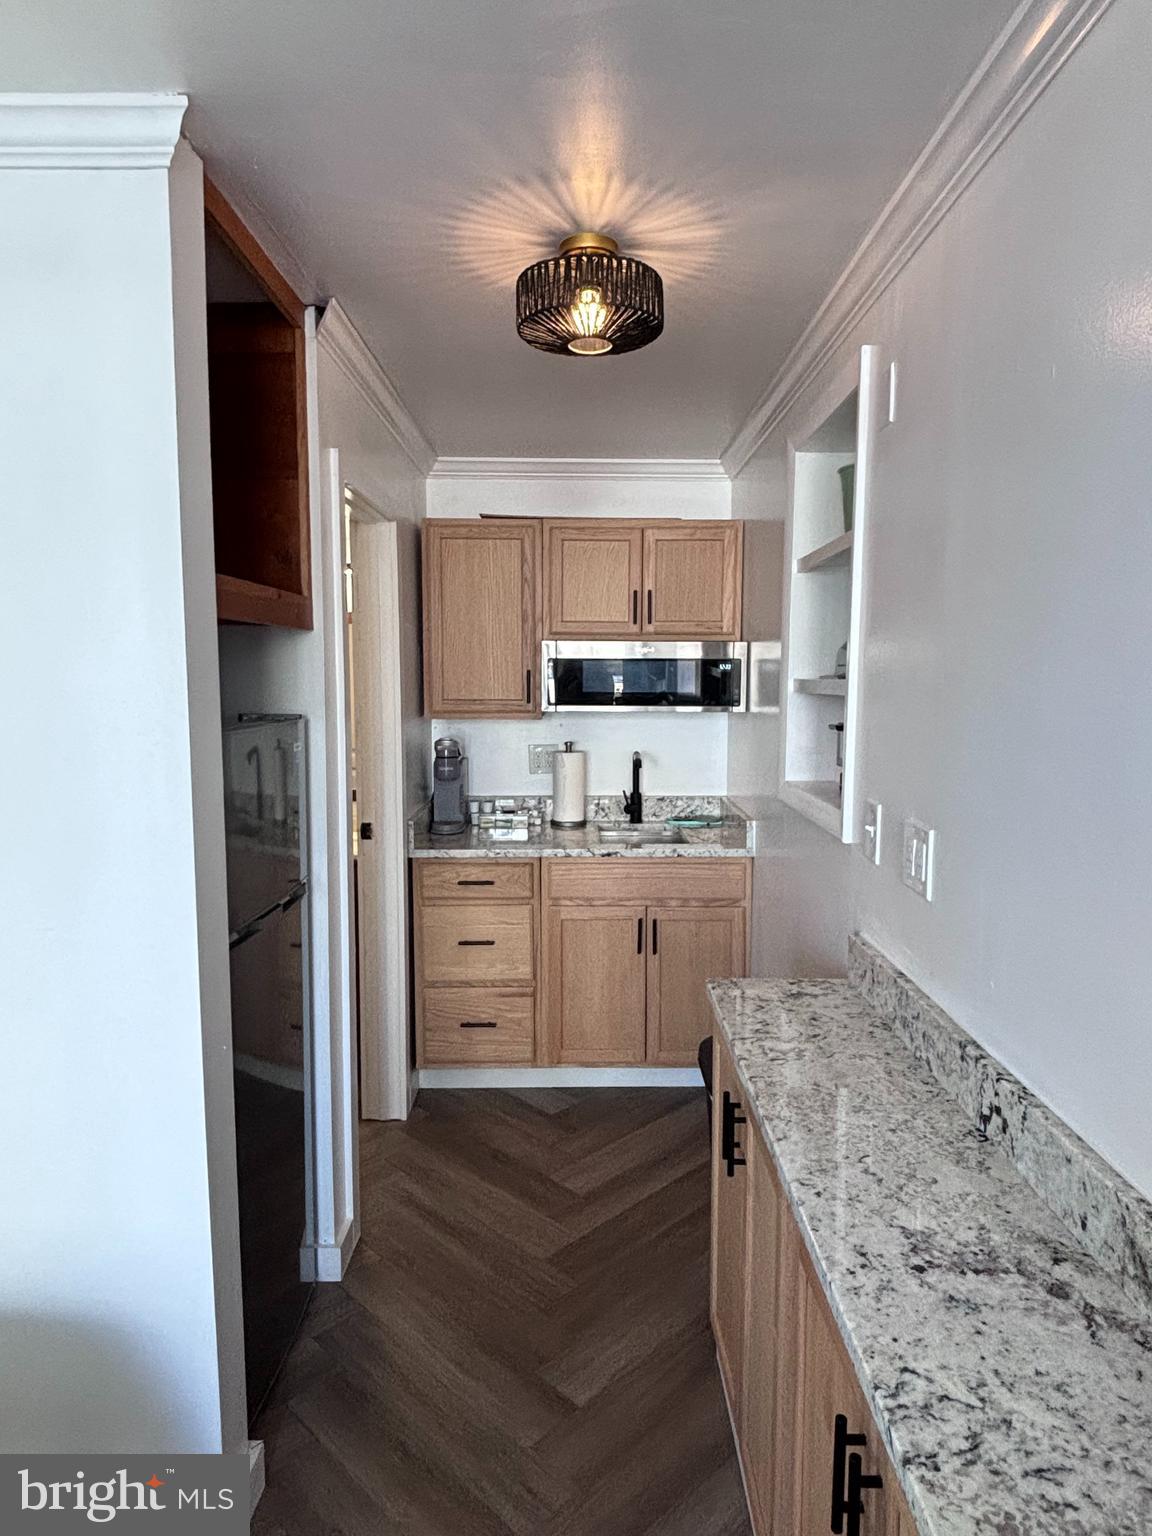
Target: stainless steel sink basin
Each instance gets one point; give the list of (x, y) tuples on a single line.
[(638, 835)]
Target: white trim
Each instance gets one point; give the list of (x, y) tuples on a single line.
[(255, 1474), (577, 469), (346, 347), (89, 131), (559, 1077), (329, 1261), (1037, 42)]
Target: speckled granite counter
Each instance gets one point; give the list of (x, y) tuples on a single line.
[(1010, 1371), (734, 838)]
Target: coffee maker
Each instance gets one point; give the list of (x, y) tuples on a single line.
[(449, 788)]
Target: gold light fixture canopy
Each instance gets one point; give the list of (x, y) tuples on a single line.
[(588, 300)]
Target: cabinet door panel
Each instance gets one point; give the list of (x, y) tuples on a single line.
[(830, 1388), (763, 1387), (593, 573), (595, 983), (480, 618), (692, 580), (729, 1229), (688, 946)]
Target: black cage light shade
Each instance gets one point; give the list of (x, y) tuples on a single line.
[(589, 301)]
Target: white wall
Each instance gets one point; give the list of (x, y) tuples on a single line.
[(683, 754), (119, 1273), (559, 488), (1008, 629), (275, 669)]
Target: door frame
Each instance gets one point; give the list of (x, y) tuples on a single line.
[(374, 695)]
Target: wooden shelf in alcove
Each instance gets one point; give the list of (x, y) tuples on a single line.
[(250, 602)]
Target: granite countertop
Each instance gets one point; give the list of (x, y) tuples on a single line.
[(1010, 1373), (733, 838)]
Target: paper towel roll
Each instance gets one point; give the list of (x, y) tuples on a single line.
[(569, 787)]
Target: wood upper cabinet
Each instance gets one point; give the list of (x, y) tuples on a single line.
[(593, 578), (693, 574), (729, 1228), (612, 577), (481, 618), (688, 946), (594, 983)]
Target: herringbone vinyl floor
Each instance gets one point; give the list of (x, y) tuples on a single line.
[(521, 1344)]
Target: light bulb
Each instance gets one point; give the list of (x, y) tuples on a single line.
[(588, 318)]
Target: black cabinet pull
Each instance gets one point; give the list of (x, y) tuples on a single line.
[(848, 1480), (730, 1148), (475, 882), (475, 943), (528, 686), (635, 605), (649, 605), (477, 1023), (639, 935), (655, 936)]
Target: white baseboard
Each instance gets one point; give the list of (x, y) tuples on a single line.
[(255, 1474), (559, 1077), (328, 1261)]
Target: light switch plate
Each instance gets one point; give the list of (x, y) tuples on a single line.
[(540, 756), (919, 857), (873, 823)]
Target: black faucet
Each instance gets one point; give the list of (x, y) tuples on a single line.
[(634, 802)]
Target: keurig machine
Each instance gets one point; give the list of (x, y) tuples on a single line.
[(449, 788)]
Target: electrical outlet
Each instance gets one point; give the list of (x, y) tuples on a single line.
[(540, 756), (873, 820), (919, 858)]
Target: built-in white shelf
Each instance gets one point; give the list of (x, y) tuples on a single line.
[(837, 552), (829, 687), (823, 614), (818, 799)]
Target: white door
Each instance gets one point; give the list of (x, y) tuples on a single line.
[(379, 832)]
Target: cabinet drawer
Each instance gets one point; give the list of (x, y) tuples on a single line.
[(478, 1026), (654, 883), (474, 942), (479, 880)]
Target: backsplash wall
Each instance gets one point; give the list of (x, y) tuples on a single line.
[(683, 754)]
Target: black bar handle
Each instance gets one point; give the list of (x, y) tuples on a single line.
[(730, 1148), (639, 935), (649, 605), (528, 686), (847, 1470), (655, 936), (475, 943), (475, 882), (477, 1023), (635, 605)]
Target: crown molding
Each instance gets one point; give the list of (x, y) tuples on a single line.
[(1034, 46), (578, 469), (348, 349), (116, 131)]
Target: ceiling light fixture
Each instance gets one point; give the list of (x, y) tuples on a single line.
[(589, 300)]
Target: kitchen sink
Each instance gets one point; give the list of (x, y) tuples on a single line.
[(638, 834)]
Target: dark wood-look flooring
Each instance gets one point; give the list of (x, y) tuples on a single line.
[(521, 1345)]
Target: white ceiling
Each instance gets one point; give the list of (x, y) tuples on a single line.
[(415, 156)]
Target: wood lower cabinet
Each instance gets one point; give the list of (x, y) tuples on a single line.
[(798, 1410), (481, 618), (595, 988), (687, 946), (475, 942), (628, 947)]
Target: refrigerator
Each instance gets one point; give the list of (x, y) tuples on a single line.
[(265, 820)]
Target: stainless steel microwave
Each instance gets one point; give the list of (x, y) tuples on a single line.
[(690, 676)]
